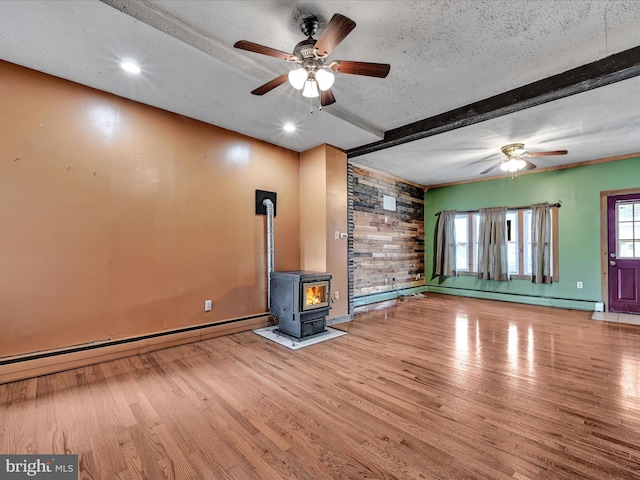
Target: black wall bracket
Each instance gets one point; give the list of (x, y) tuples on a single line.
[(260, 196)]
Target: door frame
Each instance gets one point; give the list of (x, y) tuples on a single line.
[(604, 245)]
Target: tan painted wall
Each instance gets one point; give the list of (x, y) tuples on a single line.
[(323, 211), (313, 210), (337, 216), (119, 219)]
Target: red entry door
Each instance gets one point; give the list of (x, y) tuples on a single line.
[(623, 219)]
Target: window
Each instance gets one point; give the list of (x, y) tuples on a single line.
[(519, 254), (475, 222), (462, 244), (526, 242), (466, 250), (512, 243), (628, 229)]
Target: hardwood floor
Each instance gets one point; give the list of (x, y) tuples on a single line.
[(434, 388)]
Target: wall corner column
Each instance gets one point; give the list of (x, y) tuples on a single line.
[(323, 216)]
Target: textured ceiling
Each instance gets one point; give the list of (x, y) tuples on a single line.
[(443, 55)]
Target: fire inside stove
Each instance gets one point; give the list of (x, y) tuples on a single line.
[(316, 295)]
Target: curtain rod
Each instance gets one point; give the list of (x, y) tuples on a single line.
[(525, 207)]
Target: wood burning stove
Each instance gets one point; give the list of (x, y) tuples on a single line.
[(300, 301)]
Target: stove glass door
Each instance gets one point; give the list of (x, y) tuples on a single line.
[(315, 295)]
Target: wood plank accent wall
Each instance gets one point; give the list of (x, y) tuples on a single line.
[(388, 246), (350, 228)]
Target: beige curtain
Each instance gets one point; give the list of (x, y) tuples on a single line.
[(492, 244), (446, 244), (541, 243)]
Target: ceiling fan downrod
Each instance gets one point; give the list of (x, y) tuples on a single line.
[(308, 25)]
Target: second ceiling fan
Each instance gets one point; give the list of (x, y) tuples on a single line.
[(516, 155), (314, 75)]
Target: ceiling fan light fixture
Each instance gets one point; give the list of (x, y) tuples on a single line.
[(513, 165), (130, 67), (310, 89), (325, 79), (515, 161), (298, 77)]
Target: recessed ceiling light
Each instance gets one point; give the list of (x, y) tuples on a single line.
[(289, 127), (130, 67)]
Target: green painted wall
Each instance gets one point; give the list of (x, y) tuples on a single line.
[(576, 189)]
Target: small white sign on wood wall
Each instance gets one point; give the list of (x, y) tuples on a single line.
[(389, 203)]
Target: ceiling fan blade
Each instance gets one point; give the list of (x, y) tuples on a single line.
[(256, 48), (492, 167), (483, 160), (547, 154), (529, 165), (267, 87), (380, 70), (336, 30), (327, 98)]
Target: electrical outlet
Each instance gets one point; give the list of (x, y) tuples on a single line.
[(337, 235), (207, 305), (337, 295), (579, 285), (417, 276), (386, 281)]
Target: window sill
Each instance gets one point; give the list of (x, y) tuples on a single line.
[(466, 274), (511, 276)]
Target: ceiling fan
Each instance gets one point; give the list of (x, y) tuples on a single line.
[(314, 75), (516, 155)]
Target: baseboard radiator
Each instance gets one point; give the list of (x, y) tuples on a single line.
[(570, 303), (34, 364)]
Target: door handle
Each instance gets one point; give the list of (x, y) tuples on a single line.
[(612, 262)]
